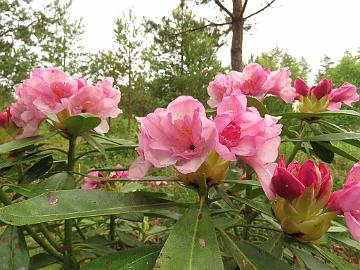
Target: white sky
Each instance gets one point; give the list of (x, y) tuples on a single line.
[(309, 28)]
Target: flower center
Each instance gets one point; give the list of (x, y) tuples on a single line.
[(231, 135)]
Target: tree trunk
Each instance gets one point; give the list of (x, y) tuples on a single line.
[(237, 36)]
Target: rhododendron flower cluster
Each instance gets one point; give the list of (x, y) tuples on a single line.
[(244, 134), (254, 81), (323, 97), (50, 90), (182, 135), (347, 201), (305, 204)]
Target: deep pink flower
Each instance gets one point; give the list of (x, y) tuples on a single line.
[(246, 135), (101, 100), (347, 200), (291, 182), (120, 174), (91, 183), (323, 97), (5, 117), (180, 135)]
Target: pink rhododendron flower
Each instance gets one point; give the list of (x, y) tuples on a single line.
[(101, 100), (291, 182), (47, 88), (5, 117), (91, 183), (180, 135), (322, 96), (246, 135), (28, 118), (254, 81), (347, 200), (120, 174)]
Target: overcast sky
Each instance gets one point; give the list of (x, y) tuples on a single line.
[(309, 28)]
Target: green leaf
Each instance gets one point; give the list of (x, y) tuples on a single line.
[(94, 143), (323, 152), (19, 160), (302, 115), (257, 205), (254, 102), (259, 258), (142, 258), (81, 123), (42, 260), (67, 204), (15, 145), (192, 244), (328, 137), (338, 151), (59, 181), (332, 128), (345, 240), (37, 170), (338, 261), (311, 262), (275, 245), (13, 250)]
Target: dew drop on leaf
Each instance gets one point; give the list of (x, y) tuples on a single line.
[(52, 199)]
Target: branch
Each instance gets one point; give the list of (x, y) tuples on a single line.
[(222, 7), (21, 27), (243, 8), (202, 27), (260, 10)]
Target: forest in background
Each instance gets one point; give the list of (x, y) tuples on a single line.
[(179, 56)]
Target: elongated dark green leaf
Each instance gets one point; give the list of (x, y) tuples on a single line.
[(14, 145), (142, 258), (66, 204), (338, 261), (192, 244), (254, 183), (275, 245), (338, 151), (42, 260), (259, 258), (257, 205), (345, 240), (254, 102), (301, 115), (59, 181), (328, 137), (332, 128), (81, 123), (14, 254), (322, 152), (15, 161), (94, 143), (37, 170), (106, 140), (311, 262)]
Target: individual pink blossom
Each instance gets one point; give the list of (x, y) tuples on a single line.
[(244, 134), (101, 100), (157, 183), (347, 94), (347, 200), (254, 81), (279, 84), (91, 183), (291, 182), (221, 86), (120, 174), (180, 135), (28, 118), (47, 88)]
